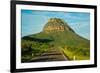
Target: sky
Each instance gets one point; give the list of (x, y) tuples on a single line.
[(33, 21)]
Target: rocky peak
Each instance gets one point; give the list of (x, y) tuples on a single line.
[(56, 24)]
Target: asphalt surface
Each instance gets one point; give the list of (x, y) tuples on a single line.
[(53, 54)]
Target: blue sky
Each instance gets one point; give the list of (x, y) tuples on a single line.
[(33, 21)]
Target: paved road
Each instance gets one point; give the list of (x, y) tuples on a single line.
[(53, 54)]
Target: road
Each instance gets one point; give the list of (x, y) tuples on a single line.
[(53, 54)]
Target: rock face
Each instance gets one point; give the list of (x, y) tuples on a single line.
[(56, 24)]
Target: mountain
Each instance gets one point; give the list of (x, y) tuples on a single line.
[(57, 33), (60, 33)]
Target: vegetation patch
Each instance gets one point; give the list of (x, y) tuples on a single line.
[(76, 53), (31, 49)]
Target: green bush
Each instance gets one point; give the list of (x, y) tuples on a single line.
[(32, 49)]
